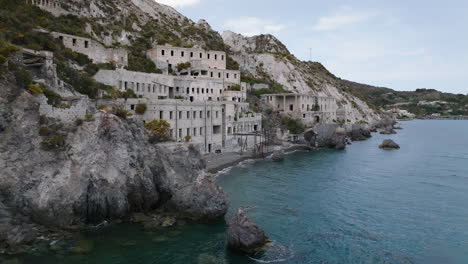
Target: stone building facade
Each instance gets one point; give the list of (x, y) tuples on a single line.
[(310, 109), (97, 52), (197, 57), (162, 86), (52, 6)]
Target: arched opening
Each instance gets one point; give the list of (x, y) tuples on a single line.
[(317, 119)]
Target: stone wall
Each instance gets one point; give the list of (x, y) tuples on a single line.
[(97, 52), (78, 108), (52, 6)]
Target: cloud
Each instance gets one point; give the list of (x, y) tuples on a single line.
[(250, 26), (342, 18), (178, 3)]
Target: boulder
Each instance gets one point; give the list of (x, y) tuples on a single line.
[(326, 135), (243, 235), (359, 132), (278, 156), (389, 144)]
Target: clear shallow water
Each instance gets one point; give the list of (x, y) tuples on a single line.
[(362, 205)]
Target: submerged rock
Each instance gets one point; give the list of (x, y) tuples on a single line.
[(388, 131), (278, 156), (389, 144), (244, 235)]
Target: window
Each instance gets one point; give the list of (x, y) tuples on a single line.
[(86, 43), (180, 114), (201, 131), (162, 52), (235, 75), (201, 55), (211, 74), (198, 90), (188, 114), (219, 75), (201, 114), (208, 114), (194, 114), (216, 56), (181, 53), (61, 38), (132, 107), (217, 112), (161, 115), (188, 131), (170, 115), (227, 75), (208, 56), (74, 42), (222, 57), (191, 54), (180, 132), (216, 130), (172, 53), (194, 131)]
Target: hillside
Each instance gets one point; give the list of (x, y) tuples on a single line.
[(265, 59), (419, 102)]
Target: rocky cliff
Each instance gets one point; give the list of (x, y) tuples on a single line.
[(57, 175), (266, 58)]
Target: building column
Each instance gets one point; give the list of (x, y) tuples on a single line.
[(284, 103)]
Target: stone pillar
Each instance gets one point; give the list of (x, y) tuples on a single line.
[(284, 103)]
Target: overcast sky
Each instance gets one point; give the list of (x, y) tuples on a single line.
[(400, 44)]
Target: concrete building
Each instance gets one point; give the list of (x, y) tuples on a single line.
[(310, 109), (161, 86), (203, 109), (97, 52), (197, 57)]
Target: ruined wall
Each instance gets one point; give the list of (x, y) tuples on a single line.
[(97, 52), (78, 108)]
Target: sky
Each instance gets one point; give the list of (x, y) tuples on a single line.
[(403, 45)]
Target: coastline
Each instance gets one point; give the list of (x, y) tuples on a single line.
[(217, 162)]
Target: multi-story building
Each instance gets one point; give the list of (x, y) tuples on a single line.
[(310, 109)]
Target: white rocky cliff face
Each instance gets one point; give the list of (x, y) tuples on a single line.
[(265, 57)]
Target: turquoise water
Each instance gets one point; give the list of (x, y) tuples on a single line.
[(362, 205)]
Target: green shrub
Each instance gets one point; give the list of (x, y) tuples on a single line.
[(183, 66), (316, 107), (79, 122), (53, 98), (2, 59), (141, 108), (187, 138), (102, 107), (44, 132), (235, 87), (35, 89), (53, 143), (158, 127), (120, 112), (293, 125), (268, 111), (89, 117)]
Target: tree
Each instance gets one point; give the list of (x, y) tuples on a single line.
[(141, 108)]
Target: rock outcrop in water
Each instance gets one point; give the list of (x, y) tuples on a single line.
[(359, 132), (59, 175), (244, 235), (326, 135), (389, 144), (388, 131)]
